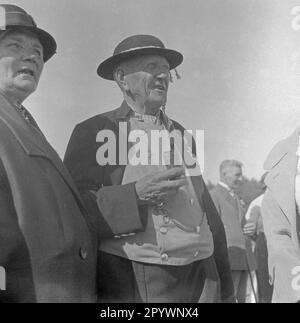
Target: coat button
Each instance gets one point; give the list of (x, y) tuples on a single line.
[(163, 230), (83, 253), (164, 257)]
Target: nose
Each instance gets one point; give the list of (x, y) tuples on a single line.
[(29, 55), (30, 58)]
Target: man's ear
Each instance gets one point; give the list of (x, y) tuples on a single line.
[(120, 79)]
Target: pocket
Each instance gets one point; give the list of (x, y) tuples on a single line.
[(284, 232), (186, 228)]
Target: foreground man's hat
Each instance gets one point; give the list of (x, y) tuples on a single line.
[(13, 17), (135, 46)]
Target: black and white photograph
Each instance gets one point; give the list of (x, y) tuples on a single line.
[(149, 154)]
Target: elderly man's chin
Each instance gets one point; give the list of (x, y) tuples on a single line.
[(235, 186), (159, 99), (27, 84)]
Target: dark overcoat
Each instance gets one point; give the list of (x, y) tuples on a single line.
[(232, 214), (46, 246)]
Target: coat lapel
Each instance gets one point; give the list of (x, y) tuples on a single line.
[(115, 173), (20, 129), (282, 167), (33, 141), (230, 199), (122, 113)]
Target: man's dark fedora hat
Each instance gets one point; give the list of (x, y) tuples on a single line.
[(14, 17), (135, 46)]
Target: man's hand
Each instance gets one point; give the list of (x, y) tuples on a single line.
[(249, 229), (154, 189)]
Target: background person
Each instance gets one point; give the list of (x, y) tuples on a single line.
[(232, 213)]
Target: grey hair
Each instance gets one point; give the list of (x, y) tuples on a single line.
[(229, 163), (124, 65), (115, 78)]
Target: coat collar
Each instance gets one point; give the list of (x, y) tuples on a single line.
[(282, 167), (123, 112), (32, 140), (23, 132), (282, 149), (225, 186), (223, 189), (225, 192)]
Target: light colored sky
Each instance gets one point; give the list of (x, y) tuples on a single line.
[(239, 77)]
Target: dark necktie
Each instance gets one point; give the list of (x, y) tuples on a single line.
[(24, 113), (27, 116)]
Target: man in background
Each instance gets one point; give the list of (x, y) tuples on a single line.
[(232, 213)]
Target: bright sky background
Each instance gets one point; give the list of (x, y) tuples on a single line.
[(239, 77)]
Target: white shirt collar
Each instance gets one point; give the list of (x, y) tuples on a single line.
[(225, 185), (231, 191)]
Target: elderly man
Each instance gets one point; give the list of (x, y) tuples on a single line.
[(231, 210), (280, 212), (175, 249), (47, 251)]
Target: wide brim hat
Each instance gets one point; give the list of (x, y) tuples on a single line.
[(14, 17), (138, 45)]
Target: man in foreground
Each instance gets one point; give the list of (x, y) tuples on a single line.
[(47, 248)]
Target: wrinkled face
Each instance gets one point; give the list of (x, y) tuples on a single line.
[(232, 176), (147, 80), (21, 64)]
